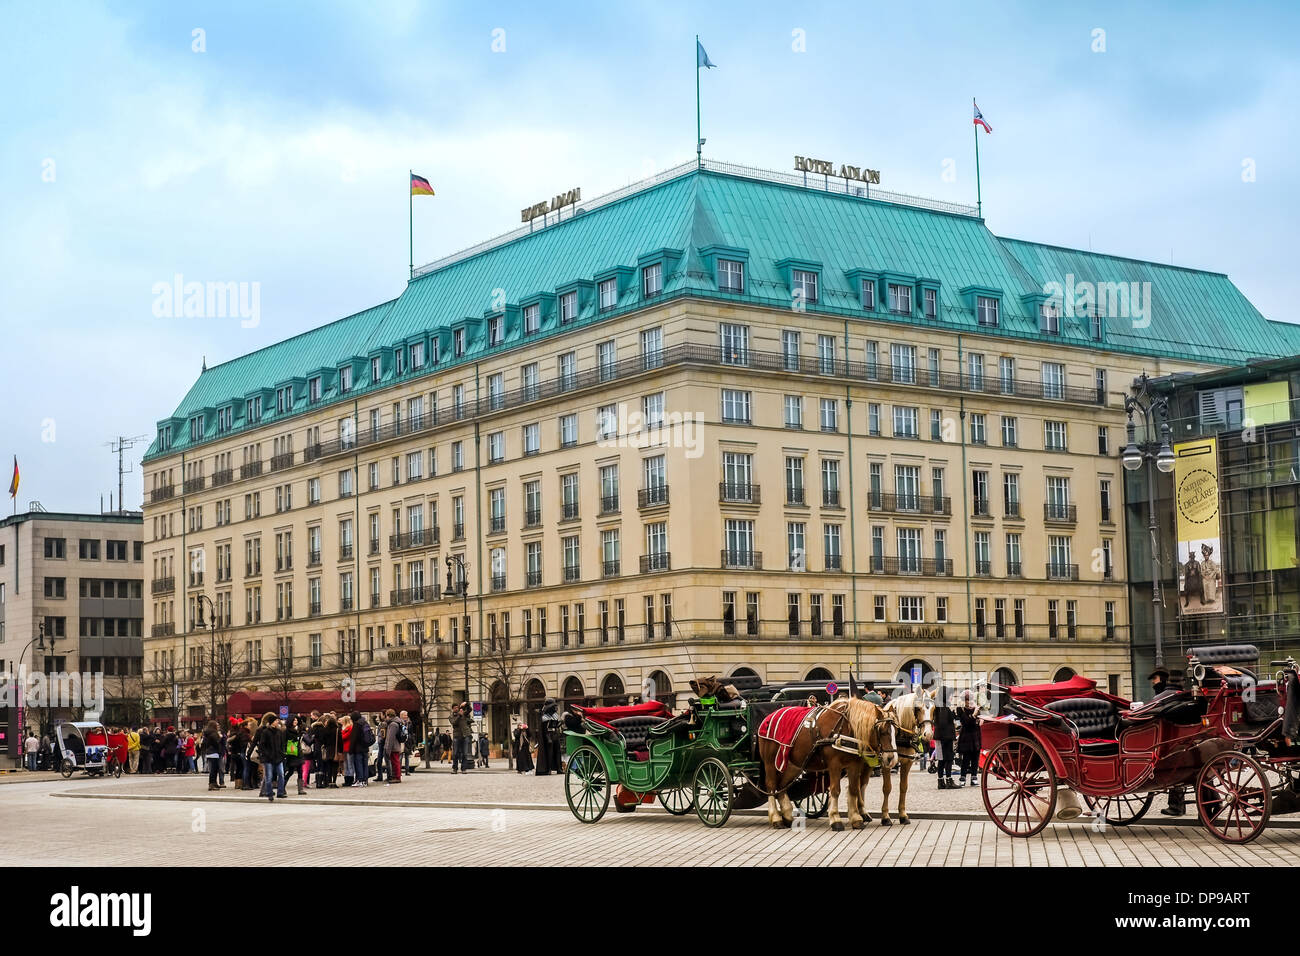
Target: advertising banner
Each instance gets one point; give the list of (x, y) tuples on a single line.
[(1196, 505)]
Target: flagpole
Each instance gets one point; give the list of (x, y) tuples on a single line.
[(410, 218), (979, 201), (699, 148)]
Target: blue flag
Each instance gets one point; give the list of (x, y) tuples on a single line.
[(702, 58)]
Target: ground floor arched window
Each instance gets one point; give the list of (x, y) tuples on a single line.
[(917, 674), (819, 674), (1062, 674), (999, 680), (663, 688), (612, 693)]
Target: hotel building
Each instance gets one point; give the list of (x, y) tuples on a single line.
[(722, 421)]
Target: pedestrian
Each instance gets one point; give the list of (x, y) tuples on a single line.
[(170, 747), (133, 749), (345, 745), (211, 748), (394, 738), (523, 750), (483, 749), (293, 752), (307, 748), (31, 747), (270, 753), (945, 733), (459, 731), (445, 742), (548, 743), (407, 743), (968, 739), (362, 739), (329, 745)]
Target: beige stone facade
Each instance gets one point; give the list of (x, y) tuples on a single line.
[(913, 511)]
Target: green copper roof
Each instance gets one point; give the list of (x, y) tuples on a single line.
[(680, 220)]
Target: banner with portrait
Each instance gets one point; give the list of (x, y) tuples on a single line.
[(1196, 507)]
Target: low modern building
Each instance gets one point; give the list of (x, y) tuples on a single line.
[(1227, 519), (722, 421), (71, 602)]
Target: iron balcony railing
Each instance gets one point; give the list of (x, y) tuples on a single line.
[(345, 604), (162, 493), (743, 493), (834, 562), (610, 569), (498, 582), (163, 586), (793, 495), (421, 538), (313, 609), (162, 630), (1014, 569), (1062, 572), (415, 595), (250, 470), (658, 561), (458, 531), (751, 560), (1011, 509), (830, 498), (1058, 511), (980, 508), (569, 511), (345, 552), (909, 504), (313, 558), (533, 518), (926, 567), (533, 579), (983, 569), (374, 546), (281, 462), (497, 524), (572, 572), (652, 496), (223, 477), (191, 485), (609, 504)]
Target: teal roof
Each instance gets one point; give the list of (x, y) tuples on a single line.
[(774, 225)]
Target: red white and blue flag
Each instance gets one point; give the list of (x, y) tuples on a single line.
[(979, 118)]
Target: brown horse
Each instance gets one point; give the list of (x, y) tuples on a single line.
[(913, 715), (813, 750)]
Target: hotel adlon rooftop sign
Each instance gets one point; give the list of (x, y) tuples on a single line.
[(824, 167), (554, 204)]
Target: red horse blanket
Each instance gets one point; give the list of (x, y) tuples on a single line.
[(780, 727)]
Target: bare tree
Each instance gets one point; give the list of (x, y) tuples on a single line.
[(504, 664), (282, 675), (423, 665)]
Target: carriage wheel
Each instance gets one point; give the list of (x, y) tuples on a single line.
[(586, 785), (1233, 797), (1019, 786), (678, 801), (1122, 810), (713, 792), (67, 768), (814, 803)]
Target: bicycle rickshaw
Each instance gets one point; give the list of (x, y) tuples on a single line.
[(88, 746)]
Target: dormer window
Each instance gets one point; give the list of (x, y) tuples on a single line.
[(376, 370), (930, 302), (869, 294), (1049, 319), (532, 319), (731, 275), (225, 419), (496, 330), (986, 310), (196, 428), (900, 299), (608, 294), (313, 389), (345, 378), (434, 352), (652, 279), (568, 306), (253, 410), (165, 437), (417, 355), (804, 285), (284, 400), (399, 361), (458, 343)]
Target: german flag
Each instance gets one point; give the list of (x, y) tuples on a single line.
[(420, 186), (13, 484)]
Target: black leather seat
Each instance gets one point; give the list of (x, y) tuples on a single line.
[(1096, 721), (636, 730)]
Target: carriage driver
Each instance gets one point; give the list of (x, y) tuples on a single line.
[(1177, 799)]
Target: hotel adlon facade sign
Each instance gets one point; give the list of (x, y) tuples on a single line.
[(554, 204), (824, 167)]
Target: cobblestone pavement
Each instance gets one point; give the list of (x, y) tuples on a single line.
[(156, 821)]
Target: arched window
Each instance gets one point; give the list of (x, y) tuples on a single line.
[(918, 674), (611, 691), (534, 695), (662, 688), (819, 674), (498, 714), (999, 680), (1062, 674), (743, 672), (572, 692)]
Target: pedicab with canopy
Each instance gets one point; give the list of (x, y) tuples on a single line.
[(87, 745)]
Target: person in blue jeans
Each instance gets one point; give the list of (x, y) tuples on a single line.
[(359, 754), (270, 752)]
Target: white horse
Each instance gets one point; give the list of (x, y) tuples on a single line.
[(914, 716)]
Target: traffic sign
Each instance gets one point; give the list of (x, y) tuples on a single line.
[(478, 709), (832, 688), (284, 711)]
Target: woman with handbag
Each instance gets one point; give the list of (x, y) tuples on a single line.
[(293, 752), (345, 748)]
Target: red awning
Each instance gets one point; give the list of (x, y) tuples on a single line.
[(305, 701), (1076, 686)]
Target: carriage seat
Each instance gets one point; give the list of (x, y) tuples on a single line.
[(1263, 707), (1096, 719), (636, 733)]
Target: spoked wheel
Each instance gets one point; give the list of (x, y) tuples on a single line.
[(1122, 810), (814, 803), (679, 801), (586, 785), (115, 768), (1233, 797), (1019, 787), (67, 768), (713, 792)]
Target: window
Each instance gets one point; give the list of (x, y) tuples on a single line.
[(568, 307), (873, 360), (975, 370), (736, 407), (345, 378), (571, 558), (313, 491), (457, 456), (345, 484), (739, 537), (414, 465), (313, 389), (795, 533), (568, 430), (878, 608), (1011, 494), (496, 447), (458, 342), (978, 433), (911, 609), (804, 285), (605, 360), (869, 294), (986, 310), (608, 290), (609, 489), (980, 492), (908, 541), (790, 350), (496, 330), (793, 411), (88, 549), (1103, 440), (569, 495), (652, 279), (826, 354), (652, 410), (376, 373), (1105, 500), (931, 303), (1049, 318), (936, 424), (873, 418), (1008, 431), (983, 552), (830, 482), (733, 340), (56, 587), (225, 419), (1054, 437), (567, 369), (399, 361), (1007, 375), (902, 360), (906, 422), (284, 400), (900, 299), (907, 487), (652, 347), (731, 275), (530, 379), (831, 547), (1053, 380), (496, 387), (606, 421), (417, 353), (532, 439), (794, 494), (829, 414), (1014, 569)]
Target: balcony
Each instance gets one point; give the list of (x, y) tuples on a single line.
[(374, 599), (414, 595), (250, 470), (1062, 572), (659, 561), (834, 562), (831, 498), (653, 497), (223, 477), (533, 579), (1011, 509), (313, 559), (610, 569), (313, 609), (163, 586), (314, 451), (191, 485), (983, 569), (533, 518), (749, 560), (162, 493), (281, 462), (162, 630), (926, 567), (345, 603), (979, 508), (345, 552), (458, 531), (738, 493), (794, 496), (608, 505), (497, 524), (498, 582), (572, 572), (1060, 513), (569, 511), (1014, 570), (374, 547), (909, 504), (406, 540)]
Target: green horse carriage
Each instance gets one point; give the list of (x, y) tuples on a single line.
[(704, 759)]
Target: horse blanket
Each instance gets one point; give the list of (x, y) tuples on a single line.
[(781, 727)]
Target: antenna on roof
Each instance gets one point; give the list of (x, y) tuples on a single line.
[(117, 446)]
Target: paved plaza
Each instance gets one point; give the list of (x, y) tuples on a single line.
[(499, 818)]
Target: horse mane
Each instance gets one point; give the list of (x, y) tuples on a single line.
[(862, 716)]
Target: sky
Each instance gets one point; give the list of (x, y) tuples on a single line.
[(228, 142)]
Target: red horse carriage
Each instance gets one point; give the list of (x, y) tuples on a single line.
[(1230, 736)]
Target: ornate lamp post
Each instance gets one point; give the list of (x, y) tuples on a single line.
[(212, 655), (463, 573), (1154, 413)]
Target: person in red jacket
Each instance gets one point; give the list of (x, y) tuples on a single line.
[(345, 733)]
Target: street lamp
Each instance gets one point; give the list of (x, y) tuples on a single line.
[(1154, 410), (212, 656), (459, 562), (39, 641)]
